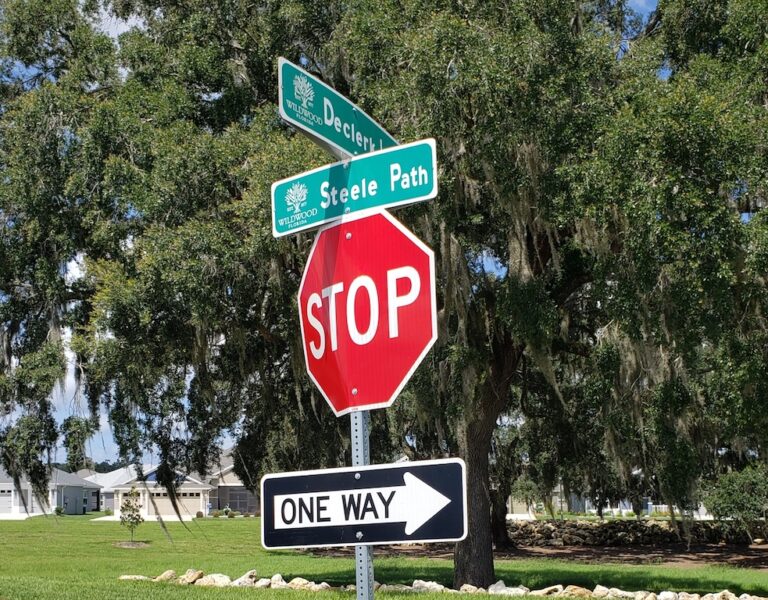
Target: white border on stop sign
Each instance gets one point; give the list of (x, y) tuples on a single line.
[(433, 304)]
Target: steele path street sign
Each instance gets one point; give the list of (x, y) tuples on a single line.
[(392, 177), (367, 310), (326, 116), (379, 504)]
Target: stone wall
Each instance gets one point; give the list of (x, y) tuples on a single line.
[(619, 533)]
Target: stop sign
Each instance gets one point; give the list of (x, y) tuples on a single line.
[(367, 310)]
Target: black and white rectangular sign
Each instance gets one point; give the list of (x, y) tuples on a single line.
[(398, 503)]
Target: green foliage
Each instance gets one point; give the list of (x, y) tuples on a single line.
[(526, 490), (740, 497), (76, 431), (600, 246)]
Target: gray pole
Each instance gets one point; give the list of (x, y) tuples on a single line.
[(361, 456)]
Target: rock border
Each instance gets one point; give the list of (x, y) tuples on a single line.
[(276, 582)]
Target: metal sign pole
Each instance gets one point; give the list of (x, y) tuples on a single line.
[(361, 456)]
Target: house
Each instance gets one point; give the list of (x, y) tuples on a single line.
[(192, 494), (229, 490), (66, 490), (107, 481)]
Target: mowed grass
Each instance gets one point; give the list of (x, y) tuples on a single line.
[(76, 558)]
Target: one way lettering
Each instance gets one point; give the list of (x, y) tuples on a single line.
[(413, 504), (355, 508)]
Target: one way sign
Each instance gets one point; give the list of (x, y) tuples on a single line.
[(379, 504)]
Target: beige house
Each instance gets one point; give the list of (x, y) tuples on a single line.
[(192, 494), (228, 490)]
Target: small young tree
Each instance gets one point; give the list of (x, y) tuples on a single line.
[(130, 511)]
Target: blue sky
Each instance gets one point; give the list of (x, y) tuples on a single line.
[(643, 6)]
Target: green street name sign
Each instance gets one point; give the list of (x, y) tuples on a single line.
[(392, 177), (329, 118)]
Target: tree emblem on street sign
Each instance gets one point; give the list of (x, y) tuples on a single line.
[(303, 90), (296, 196)]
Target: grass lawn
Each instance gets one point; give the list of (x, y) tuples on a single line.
[(74, 558)]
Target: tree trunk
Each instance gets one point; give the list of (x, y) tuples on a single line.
[(473, 557), (499, 532)]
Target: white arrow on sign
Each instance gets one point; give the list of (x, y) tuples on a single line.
[(414, 503)]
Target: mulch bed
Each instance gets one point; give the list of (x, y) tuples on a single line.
[(753, 557), (131, 545)]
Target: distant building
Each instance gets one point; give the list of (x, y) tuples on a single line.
[(192, 494), (229, 490), (73, 494)]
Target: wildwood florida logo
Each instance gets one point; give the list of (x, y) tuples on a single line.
[(296, 197), (303, 106), (296, 200), (303, 91)]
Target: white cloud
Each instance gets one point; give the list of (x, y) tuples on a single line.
[(75, 269), (113, 26)]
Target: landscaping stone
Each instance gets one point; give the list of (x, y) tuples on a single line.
[(278, 583), (621, 533), (214, 580), (395, 587), (601, 591), (575, 591), (299, 583), (319, 587), (246, 579), (548, 591), (249, 579), (427, 586), (190, 577), (500, 588)]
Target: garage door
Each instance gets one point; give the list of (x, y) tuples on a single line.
[(6, 494), (188, 503)]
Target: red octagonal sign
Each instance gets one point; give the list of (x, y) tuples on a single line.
[(367, 310)]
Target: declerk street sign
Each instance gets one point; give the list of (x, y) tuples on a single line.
[(388, 178), (367, 310), (379, 504), (326, 116)]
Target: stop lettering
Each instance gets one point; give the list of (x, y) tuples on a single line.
[(367, 310)]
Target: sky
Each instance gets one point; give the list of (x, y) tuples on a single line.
[(643, 6)]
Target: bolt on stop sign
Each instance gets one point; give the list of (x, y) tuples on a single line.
[(367, 310)]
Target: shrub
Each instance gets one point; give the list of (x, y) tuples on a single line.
[(246, 515), (109, 512), (199, 514), (739, 497), (216, 514), (227, 510), (59, 511), (231, 514)]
